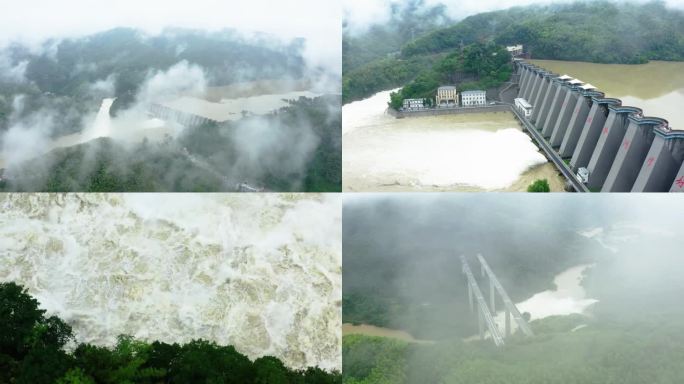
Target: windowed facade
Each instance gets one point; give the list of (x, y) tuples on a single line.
[(473, 98)]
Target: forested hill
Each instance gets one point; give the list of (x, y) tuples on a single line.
[(370, 57), (412, 19), (594, 31), (73, 74)]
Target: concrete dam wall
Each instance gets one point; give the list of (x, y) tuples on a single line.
[(623, 150), (183, 118)]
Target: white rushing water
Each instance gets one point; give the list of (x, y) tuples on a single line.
[(260, 272), (131, 127), (483, 151), (103, 122), (568, 297)]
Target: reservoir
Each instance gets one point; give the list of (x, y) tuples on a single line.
[(466, 152)]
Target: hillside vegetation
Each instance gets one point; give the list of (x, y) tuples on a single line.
[(477, 66), (33, 351), (63, 75), (632, 353), (370, 61), (208, 158), (593, 31)]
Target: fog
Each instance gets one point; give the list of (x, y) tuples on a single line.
[(361, 14), (36, 20), (404, 250), (264, 144)]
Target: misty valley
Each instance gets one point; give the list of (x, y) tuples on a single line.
[(184, 110), (598, 282)]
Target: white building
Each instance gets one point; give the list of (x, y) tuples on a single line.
[(412, 104), (523, 106), (447, 96), (473, 98), (515, 50)]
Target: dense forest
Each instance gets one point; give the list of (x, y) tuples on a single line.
[(594, 31), (369, 57), (208, 158), (599, 352), (406, 21), (63, 74), (36, 349), (476, 66), (632, 334)]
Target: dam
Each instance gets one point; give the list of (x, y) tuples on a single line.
[(615, 146)]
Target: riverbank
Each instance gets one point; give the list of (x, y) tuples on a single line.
[(462, 149), (448, 111), (372, 330)]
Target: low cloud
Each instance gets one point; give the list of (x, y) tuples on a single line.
[(180, 79), (10, 71), (361, 14)]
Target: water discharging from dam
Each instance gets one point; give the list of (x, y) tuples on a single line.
[(262, 273), (656, 87), (469, 152)]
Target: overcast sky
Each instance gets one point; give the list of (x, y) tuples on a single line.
[(361, 13), (315, 20)]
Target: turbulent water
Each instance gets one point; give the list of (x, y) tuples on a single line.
[(260, 272), (470, 152), (133, 128), (656, 87), (568, 297)]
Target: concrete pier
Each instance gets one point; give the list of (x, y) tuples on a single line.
[(548, 102), (529, 78), (572, 93), (577, 122), (591, 131), (536, 84), (662, 162), (632, 153), (545, 101), (609, 141), (678, 183), (550, 115), (532, 85), (524, 79), (538, 97)]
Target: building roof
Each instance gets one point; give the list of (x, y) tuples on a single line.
[(476, 92), (587, 86), (565, 77), (446, 88), (575, 81)]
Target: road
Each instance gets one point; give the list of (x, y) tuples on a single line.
[(550, 153)]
